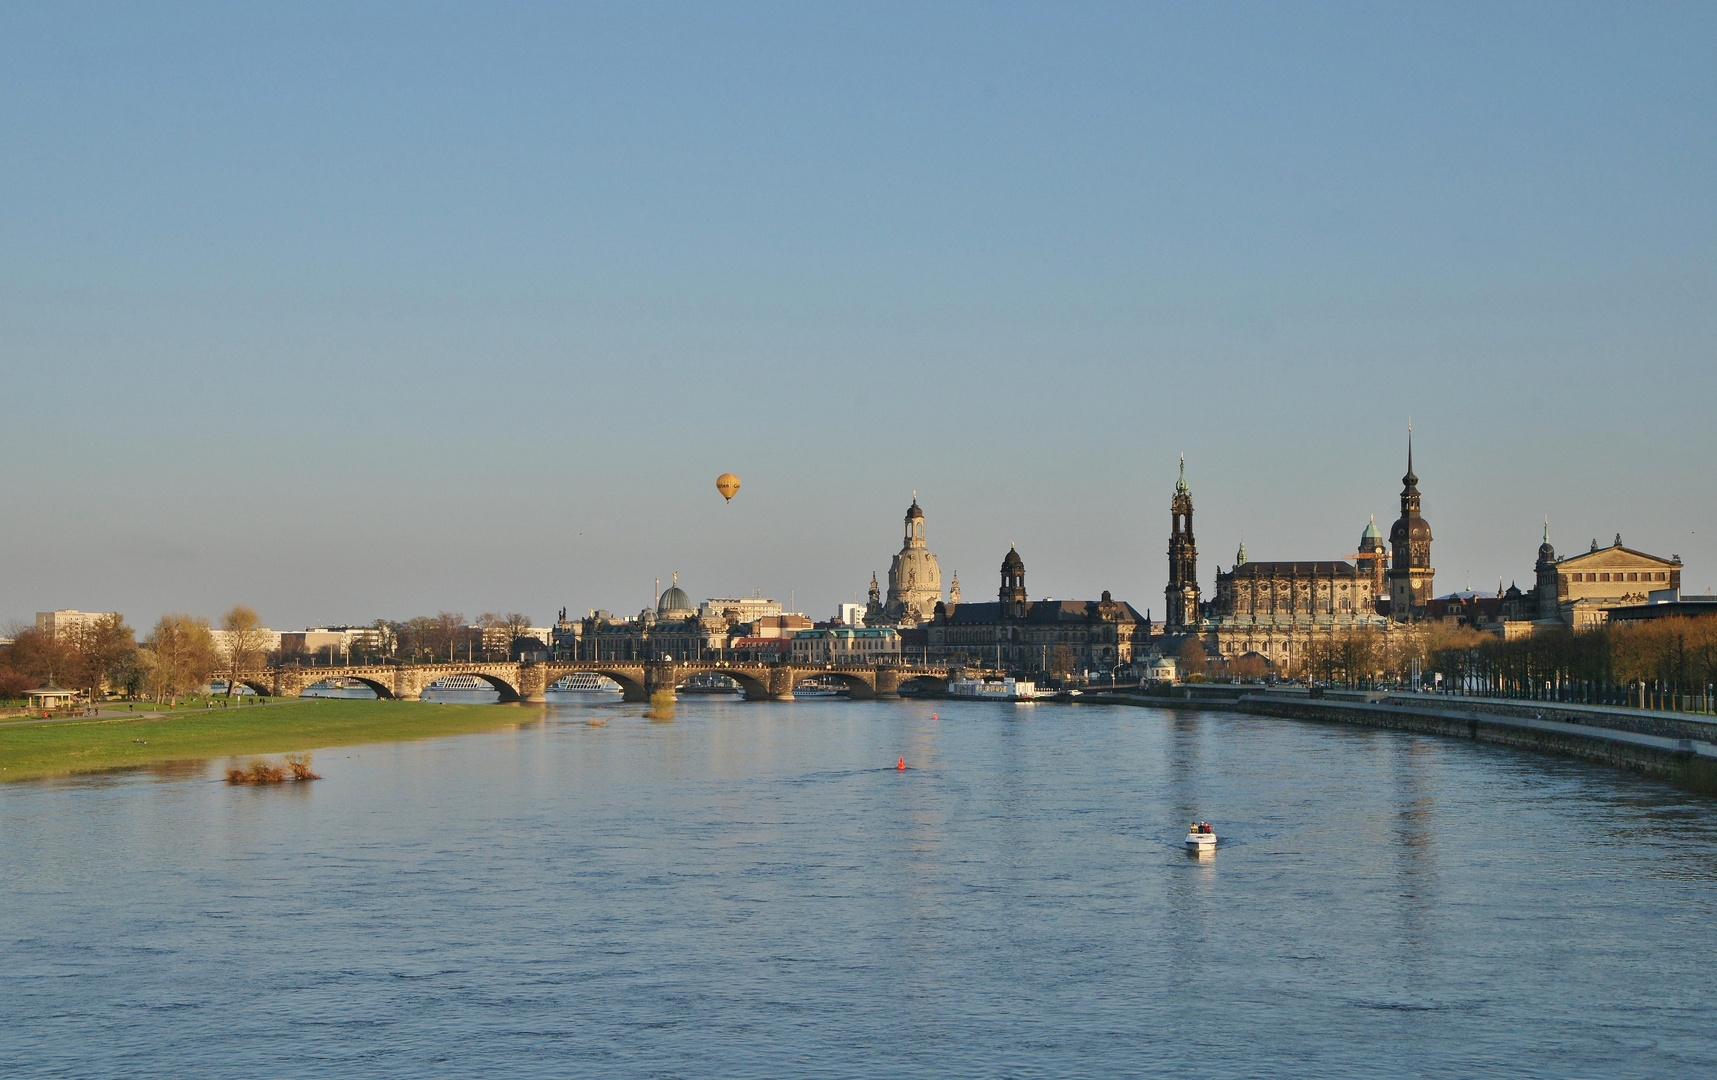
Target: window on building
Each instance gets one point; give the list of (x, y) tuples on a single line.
[(1633, 577)]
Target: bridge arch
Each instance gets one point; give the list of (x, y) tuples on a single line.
[(509, 693), (381, 690), (862, 689), (631, 687), (928, 685), (755, 689)]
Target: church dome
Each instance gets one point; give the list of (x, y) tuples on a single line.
[(913, 511), (1371, 532), (674, 602), (1013, 562), (1410, 529)]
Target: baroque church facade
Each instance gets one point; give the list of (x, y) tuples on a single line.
[(1278, 609)]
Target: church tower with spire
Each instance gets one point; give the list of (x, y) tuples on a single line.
[(1410, 548), (1182, 592)]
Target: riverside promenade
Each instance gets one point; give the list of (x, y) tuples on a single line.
[(1674, 746)]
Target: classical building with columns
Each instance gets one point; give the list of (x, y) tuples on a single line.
[(1578, 591)]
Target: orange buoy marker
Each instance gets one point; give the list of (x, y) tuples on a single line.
[(932, 716), (902, 764)]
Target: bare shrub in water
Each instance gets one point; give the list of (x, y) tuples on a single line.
[(661, 705), (297, 767)]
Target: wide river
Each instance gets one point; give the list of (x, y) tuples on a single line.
[(754, 890)]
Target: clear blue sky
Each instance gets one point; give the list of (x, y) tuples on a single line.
[(350, 311)]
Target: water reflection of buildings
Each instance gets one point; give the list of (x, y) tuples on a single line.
[(1413, 761)]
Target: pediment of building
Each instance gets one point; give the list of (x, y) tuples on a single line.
[(1615, 557)]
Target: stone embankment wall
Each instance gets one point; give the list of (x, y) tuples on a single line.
[(1671, 746)]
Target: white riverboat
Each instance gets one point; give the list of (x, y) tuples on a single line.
[(1200, 837), (585, 682), (993, 689)]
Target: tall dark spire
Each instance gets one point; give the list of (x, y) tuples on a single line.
[(1182, 592), (1410, 570)]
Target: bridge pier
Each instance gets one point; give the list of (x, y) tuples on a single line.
[(887, 684), (533, 684), (781, 684), (660, 677)]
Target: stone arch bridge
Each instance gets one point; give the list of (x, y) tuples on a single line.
[(638, 679)]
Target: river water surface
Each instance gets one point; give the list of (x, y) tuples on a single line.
[(754, 890)]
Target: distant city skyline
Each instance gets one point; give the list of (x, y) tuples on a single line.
[(347, 315)]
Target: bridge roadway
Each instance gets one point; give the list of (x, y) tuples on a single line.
[(638, 679)]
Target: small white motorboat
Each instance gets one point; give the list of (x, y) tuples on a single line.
[(1200, 837)]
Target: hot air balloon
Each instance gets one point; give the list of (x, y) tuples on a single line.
[(728, 485)]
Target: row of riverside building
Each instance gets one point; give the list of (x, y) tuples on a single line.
[(1273, 610)]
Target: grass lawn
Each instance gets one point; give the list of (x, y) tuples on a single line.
[(29, 751)]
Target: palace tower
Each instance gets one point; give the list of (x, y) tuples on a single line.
[(1410, 545)]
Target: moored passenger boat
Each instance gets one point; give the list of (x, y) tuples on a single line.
[(993, 689)]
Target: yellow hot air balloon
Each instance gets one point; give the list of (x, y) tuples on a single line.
[(728, 485)]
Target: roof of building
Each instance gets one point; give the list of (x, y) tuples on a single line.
[(913, 511), (1326, 568), (1372, 532), (674, 600), (1686, 607), (1012, 561), (1596, 555), (1042, 611), (848, 632)]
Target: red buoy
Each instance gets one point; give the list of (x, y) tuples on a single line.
[(902, 764)]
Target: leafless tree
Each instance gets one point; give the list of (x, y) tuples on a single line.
[(246, 642), (517, 626), (448, 632), (183, 656), (1193, 658)]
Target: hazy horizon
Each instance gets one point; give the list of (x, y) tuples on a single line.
[(358, 313)]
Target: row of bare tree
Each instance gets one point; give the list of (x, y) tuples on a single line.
[(180, 656), (1677, 656), (444, 636)]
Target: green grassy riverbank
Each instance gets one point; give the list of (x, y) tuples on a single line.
[(64, 747)]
